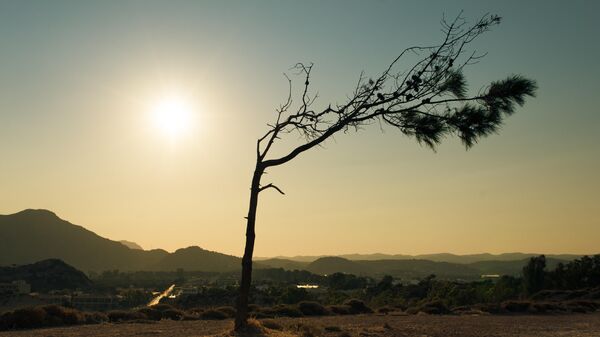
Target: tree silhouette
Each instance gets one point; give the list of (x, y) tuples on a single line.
[(428, 101), (534, 274)]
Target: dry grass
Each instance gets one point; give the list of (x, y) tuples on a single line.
[(370, 325)]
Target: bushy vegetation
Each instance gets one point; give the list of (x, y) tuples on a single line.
[(212, 314), (48, 316), (310, 308), (571, 287)]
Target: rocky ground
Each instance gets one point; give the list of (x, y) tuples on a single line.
[(360, 326)]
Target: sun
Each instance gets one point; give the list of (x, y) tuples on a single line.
[(172, 116)]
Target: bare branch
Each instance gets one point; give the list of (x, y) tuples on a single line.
[(270, 185)]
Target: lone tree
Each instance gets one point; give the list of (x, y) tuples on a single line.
[(428, 101)]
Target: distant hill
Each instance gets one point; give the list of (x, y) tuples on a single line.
[(131, 245), (283, 263), (52, 274), (196, 258), (34, 235), (442, 257), (333, 264), (407, 269)]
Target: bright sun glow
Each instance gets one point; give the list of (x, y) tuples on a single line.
[(172, 116)]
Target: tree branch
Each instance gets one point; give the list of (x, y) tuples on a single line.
[(270, 185)]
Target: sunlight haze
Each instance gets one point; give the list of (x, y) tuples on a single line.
[(138, 120)]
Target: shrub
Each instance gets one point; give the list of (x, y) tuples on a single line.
[(492, 308), (588, 304), (283, 311), (340, 309), (57, 316), (195, 311), (306, 330), (26, 318), (312, 309), (212, 314), (261, 315), (254, 328), (95, 317), (358, 306), (173, 314), (229, 311), (385, 310), (188, 317), (151, 313), (162, 307), (516, 306), (124, 316), (434, 308), (271, 324), (45, 316)]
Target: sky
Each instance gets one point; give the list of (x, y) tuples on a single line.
[(80, 82)]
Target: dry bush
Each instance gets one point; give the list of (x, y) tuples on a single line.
[(195, 311), (227, 310), (42, 316), (306, 330), (125, 316), (173, 314), (95, 317), (162, 307), (271, 324), (340, 309), (492, 308), (212, 314), (151, 313), (516, 306), (282, 311), (385, 310), (57, 316), (430, 308), (309, 308), (26, 318), (358, 307), (592, 305)]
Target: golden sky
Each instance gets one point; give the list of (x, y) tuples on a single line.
[(79, 82)]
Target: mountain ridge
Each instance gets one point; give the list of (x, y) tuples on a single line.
[(47, 236)]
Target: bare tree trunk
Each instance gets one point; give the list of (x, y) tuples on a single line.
[(241, 316)]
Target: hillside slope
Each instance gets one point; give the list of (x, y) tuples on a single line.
[(34, 235)]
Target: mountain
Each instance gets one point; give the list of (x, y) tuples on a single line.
[(441, 257), (34, 235), (196, 258), (334, 264), (283, 263), (131, 245), (51, 274), (407, 269)]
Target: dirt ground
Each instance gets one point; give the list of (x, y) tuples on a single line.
[(359, 326)]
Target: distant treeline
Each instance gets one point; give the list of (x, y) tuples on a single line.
[(575, 275), (579, 273)]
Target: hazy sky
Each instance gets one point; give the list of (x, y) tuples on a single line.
[(79, 79)]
